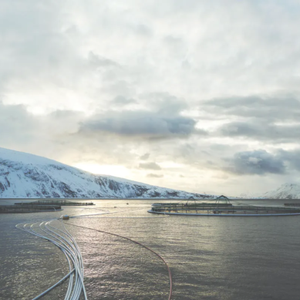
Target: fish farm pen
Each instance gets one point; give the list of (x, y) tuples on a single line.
[(40, 206), (219, 209), (55, 202), (5, 209)]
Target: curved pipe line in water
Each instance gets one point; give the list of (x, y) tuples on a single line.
[(138, 243), (71, 250)]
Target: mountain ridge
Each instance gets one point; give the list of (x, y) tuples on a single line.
[(285, 191), (24, 175)]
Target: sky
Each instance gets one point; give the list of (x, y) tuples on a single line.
[(202, 96)]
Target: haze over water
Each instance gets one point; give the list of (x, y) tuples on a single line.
[(210, 258)]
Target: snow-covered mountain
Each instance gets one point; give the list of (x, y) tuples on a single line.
[(285, 191), (25, 175)]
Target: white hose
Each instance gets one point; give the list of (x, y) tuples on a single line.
[(66, 243), (62, 239)]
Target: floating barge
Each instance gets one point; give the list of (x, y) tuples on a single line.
[(220, 210)]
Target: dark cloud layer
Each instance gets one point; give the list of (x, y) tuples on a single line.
[(261, 162), (258, 162), (140, 123)]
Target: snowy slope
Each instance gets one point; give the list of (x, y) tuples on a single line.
[(25, 175), (285, 191)]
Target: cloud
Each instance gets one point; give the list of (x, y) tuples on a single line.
[(108, 83), (121, 100), (164, 103), (149, 166), (16, 124), (292, 158), (140, 124), (145, 156), (99, 61), (46, 136), (258, 162), (257, 118), (270, 108), (261, 131), (151, 175)]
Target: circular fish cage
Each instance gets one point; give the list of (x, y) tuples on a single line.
[(220, 210)]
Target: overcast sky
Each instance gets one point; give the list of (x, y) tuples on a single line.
[(195, 95)]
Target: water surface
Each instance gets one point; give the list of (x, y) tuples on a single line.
[(210, 258)]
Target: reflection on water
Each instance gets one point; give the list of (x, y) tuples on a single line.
[(210, 258)]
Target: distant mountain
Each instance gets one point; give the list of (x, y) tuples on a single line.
[(285, 191), (25, 175)]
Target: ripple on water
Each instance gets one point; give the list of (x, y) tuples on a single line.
[(210, 258)]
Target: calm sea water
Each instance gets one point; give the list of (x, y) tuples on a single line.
[(209, 257)]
